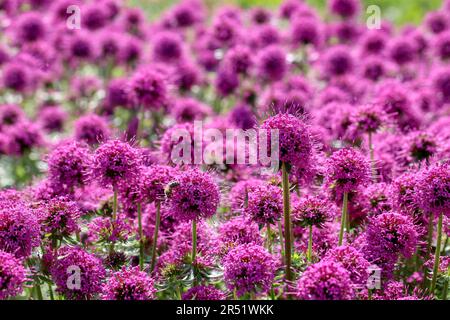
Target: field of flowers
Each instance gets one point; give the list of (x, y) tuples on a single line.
[(195, 150)]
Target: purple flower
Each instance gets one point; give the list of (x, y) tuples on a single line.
[(12, 275), (242, 117), (10, 114), (239, 193), (52, 118), (16, 76), (326, 280), (95, 16), (237, 231), (22, 138), (30, 28), (353, 261), (433, 189), (189, 109), (239, 59), (402, 50), (249, 268), (368, 118), (102, 229), (90, 269), (194, 195), (437, 21), (345, 8), (153, 181), (60, 217), (148, 89), (208, 292), (271, 63), (167, 47), (306, 31), (312, 211), (337, 61), (69, 164), (91, 129), (346, 170), (115, 162), (129, 284), (19, 228), (265, 204), (226, 82)]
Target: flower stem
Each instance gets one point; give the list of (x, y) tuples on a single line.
[(437, 254), (50, 292), (194, 250), (310, 241), (287, 221), (114, 205), (155, 235), (343, 217), (372, 158), (269, 240), (141, 237)]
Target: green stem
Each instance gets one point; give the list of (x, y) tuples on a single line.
[(141, 237), (155, 235), (280, 231), (38, 290), (194, 250), (372, 158), (287, 221), (437, 254), (269, 235), (310, 241), (50, 292), (445, 289), (114, 217), (343, 217)]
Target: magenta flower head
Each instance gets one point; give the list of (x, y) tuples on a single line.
[(249, 268), (402, 50), (167, 47), (433, 189), (239, 59), (337, 61), (326, 280), (30, 28), (208, 292), (91, 129), (115, 162), (117, 94), (265, 204), (51, 118), (226, 82), (19, 228), (368, 118), (312, 211), (437, 21), (153, 182), (347, 169), (295, 141), (403, 192), (103, 229), (69, 164), (239, 230), (22, 138), (418, 146), (60, 217), (239, 193), (345, 8), (95, 16), (129, 284), (242, 117), (193, 195), (391, 234), (189, 109), (10, 114), (185, 132), (271, 63), (16, 77), (442, 45), (441, 84), (90, 269), (306, 31), (12, 275), (148, 89), (353, 261)]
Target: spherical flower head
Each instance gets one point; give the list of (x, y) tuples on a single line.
[(208, 292), (91, 129), (312, 211), (392, 233), (376, 198), (353, 261), (187, 13), (306, 31), (295, 142), (441, 84), (237, 231), (115, 162), (10, 114), (129, 284), (403, 193), (368, 118), (226, 82), (442, 45), (189, 109), (153, 182), (433, 189), (238, 195), (16, 77), (249, 268), (95, 16), (148, 89), (193, 195), (185, 134), (167, 47), (187, 75), (19, 228), (52, 118), (437, 21), (265, 204), (374, 68), (345, 8), (239, 59), (90, 269), (402, 50), (271, 63), (346, 170), (80, 47), (374, 42), (60, 217), (68, 165), (326, 280), (419, 146), (337, 61), (30, 28), (12, 275)]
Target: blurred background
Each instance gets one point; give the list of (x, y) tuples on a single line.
[(399, 11)]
